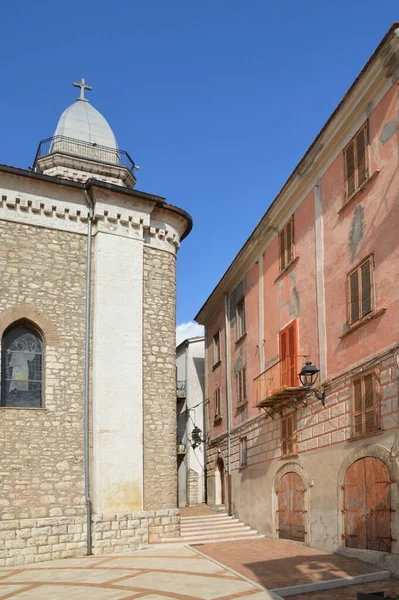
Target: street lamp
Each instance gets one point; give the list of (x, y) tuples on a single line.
[(196, 437), (308, 377)]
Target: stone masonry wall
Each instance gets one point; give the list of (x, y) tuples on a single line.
[(192, 487), (159, 379)]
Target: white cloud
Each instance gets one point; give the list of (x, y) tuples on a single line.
[(188, 330)]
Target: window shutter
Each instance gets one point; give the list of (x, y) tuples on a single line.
[(289, 240), (282, 250), (366, 287), (357, 407), (350, 169), (354, 297), (369, 408), (290, 423), (361, 147), (284, 447), (244, 383)]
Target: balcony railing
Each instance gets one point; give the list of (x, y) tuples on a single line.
[(279, 382), (181, 388), (72, 147)]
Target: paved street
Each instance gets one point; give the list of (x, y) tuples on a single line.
[(154, 574)]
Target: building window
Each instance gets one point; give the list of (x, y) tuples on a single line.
[(286, 244), (218, 414), (360, 291), (243, 452), (240, 315), (288, 434), (216, 348), (241, 385), (365, 406), (21, 366), (356, 163)]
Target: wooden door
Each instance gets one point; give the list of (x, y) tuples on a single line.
[(291, 503), (367, 505), (288, 355)]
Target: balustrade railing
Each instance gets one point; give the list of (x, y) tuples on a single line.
[(282, 375)]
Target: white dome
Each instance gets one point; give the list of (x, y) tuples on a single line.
[(81, 121)]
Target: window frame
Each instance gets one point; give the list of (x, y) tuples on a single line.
[(286, 257), (37, 332), (217, 403), (357, 185), (241, 324), (362, 317), (289, 439), (375, 409), (243, 451), (241, 383), (216, 349)]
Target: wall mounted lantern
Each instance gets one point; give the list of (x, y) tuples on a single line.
[(308, 377), (196, 437)]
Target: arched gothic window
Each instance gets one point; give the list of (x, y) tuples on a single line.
[(21, 366)]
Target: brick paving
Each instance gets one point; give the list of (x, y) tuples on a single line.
[(350, 592), (276, 563)]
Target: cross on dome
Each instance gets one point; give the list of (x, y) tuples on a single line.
[(82, 85)]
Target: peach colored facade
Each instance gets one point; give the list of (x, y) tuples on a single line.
[(332, 236)]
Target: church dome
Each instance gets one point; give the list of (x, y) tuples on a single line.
[(81, 121)]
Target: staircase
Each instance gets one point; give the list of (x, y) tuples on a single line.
[(213, 527)]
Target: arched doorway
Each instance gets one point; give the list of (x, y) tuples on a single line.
[(291, 505), (367, 505), (219, 482)]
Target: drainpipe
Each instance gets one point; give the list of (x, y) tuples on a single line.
[(228, 402), (90, 203)]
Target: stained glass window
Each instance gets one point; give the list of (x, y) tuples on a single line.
[(21, 367)]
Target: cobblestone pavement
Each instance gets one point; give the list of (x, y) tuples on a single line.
[(153, 574), (276, 563)]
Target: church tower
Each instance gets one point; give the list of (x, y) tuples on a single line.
[(89, 287)]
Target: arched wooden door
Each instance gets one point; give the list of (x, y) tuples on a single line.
[(291, 504), (367, 505), (219, 482)]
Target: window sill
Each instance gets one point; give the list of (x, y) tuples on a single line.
[(365, 320), (217, 419), (23, 408), (216, 365), (240, 405), (358, 191), (241, 467), (365, 435), (238, 340), (290, 264)]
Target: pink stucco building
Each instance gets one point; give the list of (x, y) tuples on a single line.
[(318, 280)]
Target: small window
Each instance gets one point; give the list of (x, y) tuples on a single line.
[(21, 367), (217, 404), (286, 244), (243, 452), (240, 314), (356, 162), (288, 434), (242, 385), (365, 406), (360, 291), (216, 348)]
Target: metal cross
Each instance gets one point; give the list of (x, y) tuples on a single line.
[(82, 85)]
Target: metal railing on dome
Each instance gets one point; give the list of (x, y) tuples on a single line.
[(81, 149)]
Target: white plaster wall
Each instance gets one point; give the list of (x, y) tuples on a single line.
[(117, 374), (195, 398)]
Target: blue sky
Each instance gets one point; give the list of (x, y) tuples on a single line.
[(216, 100)]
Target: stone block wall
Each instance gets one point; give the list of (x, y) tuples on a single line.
[(159, 379), (192, 484)]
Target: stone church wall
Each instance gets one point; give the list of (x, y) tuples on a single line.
[(159, 379), (41, 458)]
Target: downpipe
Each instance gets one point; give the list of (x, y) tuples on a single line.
[(90, 204)]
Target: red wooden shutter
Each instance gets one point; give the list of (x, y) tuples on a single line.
[(290, 431), (292, 355), (284, 446), (354, 297), (366, 288), (357, 411), (283, 354), (289, 240), (369, 405), (350, 169), (282, 249), (361, 156), (244, 383)]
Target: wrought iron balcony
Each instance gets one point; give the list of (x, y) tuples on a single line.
[(279, 385), (86, 150)]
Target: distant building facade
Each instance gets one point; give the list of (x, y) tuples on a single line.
[(88, 441), (190, 384), (318, 280)]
